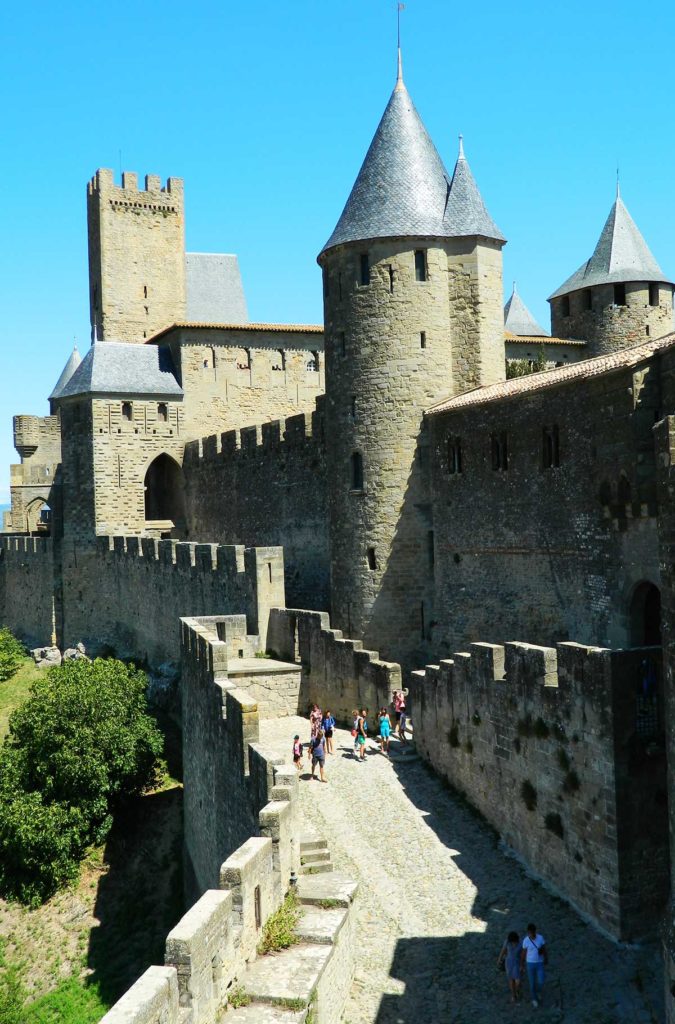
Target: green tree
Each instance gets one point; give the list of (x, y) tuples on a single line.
[(80, 743), (12, 653)]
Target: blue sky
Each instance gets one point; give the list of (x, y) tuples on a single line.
[(266, 109)]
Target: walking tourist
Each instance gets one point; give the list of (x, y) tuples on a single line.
[(315, 719), (297, 753), (328, 727), (402, 723), (318, 749), (509, 961), (355, 731), (534, 956), (361, 734), (385, 731)]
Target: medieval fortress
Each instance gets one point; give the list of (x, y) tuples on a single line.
[(360, 500)]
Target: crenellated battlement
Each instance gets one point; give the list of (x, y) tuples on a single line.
[(103, 182), (249, 442)]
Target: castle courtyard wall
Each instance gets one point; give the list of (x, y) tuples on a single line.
[(267, 482), (561, 750), (552, 550), (27, 588)]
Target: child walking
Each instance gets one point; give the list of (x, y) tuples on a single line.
[(297, 753)]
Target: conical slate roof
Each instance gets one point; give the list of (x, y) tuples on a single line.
[(116, 368), (67, 372), (620, 255), (403, 189), (519, 321)]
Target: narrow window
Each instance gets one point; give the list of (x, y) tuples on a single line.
[(423, 339), (357, 471), (565, 305), (420, 265), (551, 447), (364, 264), (647, 330), (145, 291), (430, 550), (500, 453), (653, 294), (162, 412), (127, 412), (257, 903), (353, 407), (620, 294), (340, 286), (454, 455), (586, 299), (343, 343), (269, 570), (391, 279), (372, 560)]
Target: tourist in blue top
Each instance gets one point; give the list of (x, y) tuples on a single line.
[(328, 726), (385, 731)]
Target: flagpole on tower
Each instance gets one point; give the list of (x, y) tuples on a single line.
[(399, 7)]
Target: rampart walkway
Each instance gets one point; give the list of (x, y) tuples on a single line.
[(437, 897)]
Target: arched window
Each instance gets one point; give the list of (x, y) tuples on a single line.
[(38, 516), (243, 358), (165, 491), (127, 411), (163, 412), (357, 471), (278, 359), (645, 615), (313, 363)]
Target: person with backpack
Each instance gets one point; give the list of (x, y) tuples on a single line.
[(318, 748), (328, 726)]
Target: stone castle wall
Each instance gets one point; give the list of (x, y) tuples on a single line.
[(556, 551), (136, 255), (27, 587), (337, 673), (267, 482), (607, 327), (561, 749), (241, 844)]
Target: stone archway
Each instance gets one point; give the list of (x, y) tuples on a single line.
[(165, 491), (38, 516), (645, 615)]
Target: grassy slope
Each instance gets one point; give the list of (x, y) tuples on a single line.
[(80, 951)]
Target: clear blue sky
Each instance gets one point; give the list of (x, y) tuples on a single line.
[(266, 109)]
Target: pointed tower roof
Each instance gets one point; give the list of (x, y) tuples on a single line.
[(620, 255), (519, 321), (403, 188), (67, 372)]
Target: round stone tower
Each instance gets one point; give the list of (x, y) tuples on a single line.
[(412, 302), (620, 296)]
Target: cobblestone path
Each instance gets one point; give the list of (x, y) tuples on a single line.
[(437, 897)]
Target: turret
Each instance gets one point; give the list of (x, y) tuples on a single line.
[(413, 311), (618, 297)]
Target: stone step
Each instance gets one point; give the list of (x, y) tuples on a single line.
[(290, 974), (264, 1013), (321, 925), (314, 856), (334, 888), (317, 867), (312, 843)]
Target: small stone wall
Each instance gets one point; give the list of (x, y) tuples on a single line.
[(553, 746), (27, 587), (337, 672)]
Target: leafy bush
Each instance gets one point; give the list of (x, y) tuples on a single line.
[(12, 653), (81, 742), (279, 930)]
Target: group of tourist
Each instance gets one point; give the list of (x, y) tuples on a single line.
[(322, 728), (518, 954)]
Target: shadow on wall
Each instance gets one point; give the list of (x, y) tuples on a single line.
[(454, 979), (140, 897)]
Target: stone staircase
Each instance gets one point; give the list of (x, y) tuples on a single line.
[(314, 856), (305, 983)]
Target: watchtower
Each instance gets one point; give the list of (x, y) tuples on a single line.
[(413, 311), (136, 256), (620, 296)]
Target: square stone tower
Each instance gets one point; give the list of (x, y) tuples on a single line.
[(136, 256)]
